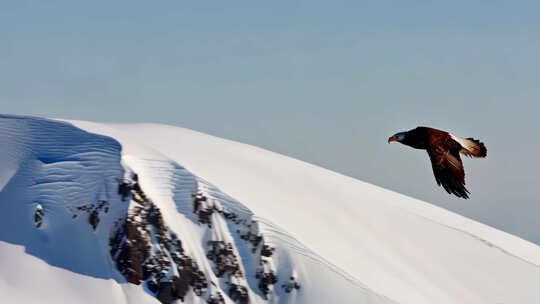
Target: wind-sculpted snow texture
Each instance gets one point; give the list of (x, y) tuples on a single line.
[(132, 213), (58, 168)]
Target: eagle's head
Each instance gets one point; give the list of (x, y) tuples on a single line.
[(397, 137)]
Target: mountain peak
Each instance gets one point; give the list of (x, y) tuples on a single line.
[(143, 213)]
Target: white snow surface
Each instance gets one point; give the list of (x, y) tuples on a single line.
[(346, 241)]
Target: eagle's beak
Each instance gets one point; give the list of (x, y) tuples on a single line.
[(391, 139)]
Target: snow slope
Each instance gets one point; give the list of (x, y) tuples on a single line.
[(56, 166), (343, 240)]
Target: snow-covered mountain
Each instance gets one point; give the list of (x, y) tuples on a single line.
[(146, 213)]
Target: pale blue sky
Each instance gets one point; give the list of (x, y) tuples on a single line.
[(323, 81)]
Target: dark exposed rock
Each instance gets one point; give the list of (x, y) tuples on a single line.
[(180, 287), (221, 253), (267, 251), (165, 292), (203, 208), (238, 294), (93, 219), (93, 211), (170, 290), (225, 261), (216, 299), (266, 276), (291, 285), (124, 189), (144, 249), (38, 216), (266, 279), (247, 234), (153, 286), (168, 271)]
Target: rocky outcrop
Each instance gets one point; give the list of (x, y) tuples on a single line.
[(223, 256), (146, 251), (222, 253), (92, 210), (38, 216), (216, 299), (291, 285)]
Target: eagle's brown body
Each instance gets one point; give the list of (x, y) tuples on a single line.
[(443, 149)]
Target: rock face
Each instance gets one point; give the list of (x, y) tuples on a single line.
[(222, 254), (146, 251)]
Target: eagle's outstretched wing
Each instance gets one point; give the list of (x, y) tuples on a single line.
[(447, 165)]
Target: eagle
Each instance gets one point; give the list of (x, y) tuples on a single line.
[(443, 149)]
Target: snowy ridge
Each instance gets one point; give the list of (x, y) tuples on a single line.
[(382, 238), (76, 191), (145, 213), (274, 234), (171, 187)]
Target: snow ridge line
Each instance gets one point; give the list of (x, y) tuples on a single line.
[(476, 237), (278, 233)]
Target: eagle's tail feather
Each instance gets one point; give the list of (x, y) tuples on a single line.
[(472, 147)]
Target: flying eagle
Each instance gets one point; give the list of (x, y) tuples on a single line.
[(443, 149)]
